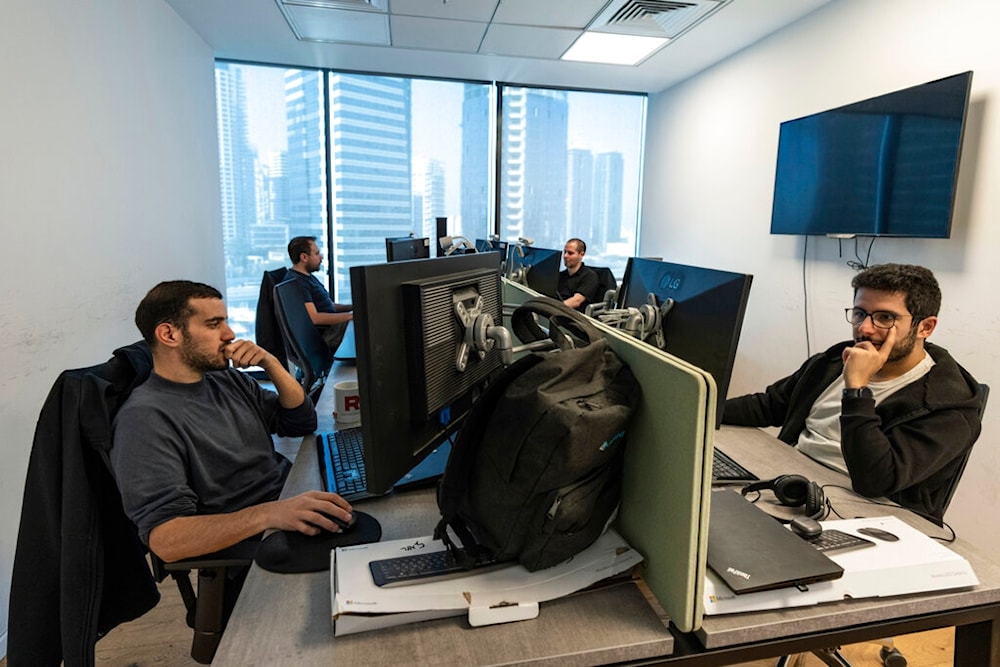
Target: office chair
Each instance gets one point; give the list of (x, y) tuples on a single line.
[(605, 281), (304, 344), (267, 329), (890, 655), (80, 568)]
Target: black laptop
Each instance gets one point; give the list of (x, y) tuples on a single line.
[(751, 551)]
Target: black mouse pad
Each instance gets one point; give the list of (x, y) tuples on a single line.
[(292, 552)]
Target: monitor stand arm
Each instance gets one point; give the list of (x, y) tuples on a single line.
[(480, 333), (644, 323)]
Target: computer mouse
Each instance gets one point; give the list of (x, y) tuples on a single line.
[(345, 526), (879, 534), (806, 527)]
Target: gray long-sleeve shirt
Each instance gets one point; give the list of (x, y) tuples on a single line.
[(201, 448)]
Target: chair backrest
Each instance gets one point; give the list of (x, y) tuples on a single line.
[(304, 344), (605, 281), (953, 485), (268, 331)]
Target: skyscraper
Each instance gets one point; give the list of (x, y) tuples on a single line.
[(533, 159), (370, 169)]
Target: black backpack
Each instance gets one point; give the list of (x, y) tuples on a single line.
[(535, 472)]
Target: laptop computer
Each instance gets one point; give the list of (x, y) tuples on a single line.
[(751, 551)]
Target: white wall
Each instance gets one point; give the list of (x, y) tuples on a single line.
[(108, 185), (711, 150)]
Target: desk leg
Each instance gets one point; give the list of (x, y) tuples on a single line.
[(978, 644)]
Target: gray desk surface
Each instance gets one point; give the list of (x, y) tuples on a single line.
[(285, 618)]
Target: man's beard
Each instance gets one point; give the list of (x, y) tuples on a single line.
[(200, 361)]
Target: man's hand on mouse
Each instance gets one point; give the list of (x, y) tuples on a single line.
[(310, 512)]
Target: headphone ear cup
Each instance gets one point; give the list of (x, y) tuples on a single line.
[(815, 501), (791, 490)]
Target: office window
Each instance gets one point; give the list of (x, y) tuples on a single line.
[(272, 174), (401, 152), (570, 166)]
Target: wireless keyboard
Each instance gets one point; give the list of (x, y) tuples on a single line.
[(836, 540), (420, 568), (726, 469)]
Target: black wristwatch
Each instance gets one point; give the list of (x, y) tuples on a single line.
[(859, 392)]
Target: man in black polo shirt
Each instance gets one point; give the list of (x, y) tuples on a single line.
[(578, 285)]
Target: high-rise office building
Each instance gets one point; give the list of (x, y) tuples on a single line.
[(474, 186), (609, 170), (237, 160), (580, 188), (369, 168), (302, 203), (533, 159)]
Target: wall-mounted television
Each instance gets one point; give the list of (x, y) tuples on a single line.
[(885, 166)]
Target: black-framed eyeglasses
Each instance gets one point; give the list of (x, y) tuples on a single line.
[(882, 319)]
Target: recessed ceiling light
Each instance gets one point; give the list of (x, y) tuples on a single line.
[(612, 49)]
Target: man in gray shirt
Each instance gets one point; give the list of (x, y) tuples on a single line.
[(192, 453)]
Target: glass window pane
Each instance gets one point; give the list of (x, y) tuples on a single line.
[(570, 167), (401, 158), (272, 175)]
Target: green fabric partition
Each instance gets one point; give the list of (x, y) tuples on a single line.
[(665, 502)]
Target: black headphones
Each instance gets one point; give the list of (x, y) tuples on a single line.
[(794, 490)]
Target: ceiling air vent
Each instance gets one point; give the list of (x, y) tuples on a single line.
[(654, 18)]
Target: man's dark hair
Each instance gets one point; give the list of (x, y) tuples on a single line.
[(916, 283), (299, 245), (581, 247), (170, 302)]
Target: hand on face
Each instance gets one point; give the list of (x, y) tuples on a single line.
[(244, 354), (863, 361)]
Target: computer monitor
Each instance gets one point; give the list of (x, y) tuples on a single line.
[(407, 334), (703, 325), (407, 247), (538, 268)]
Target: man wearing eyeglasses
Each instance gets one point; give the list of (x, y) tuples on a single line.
[(890, 409)]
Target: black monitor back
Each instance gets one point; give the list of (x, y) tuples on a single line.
[(703, 326), (407, 247), (397, 437)]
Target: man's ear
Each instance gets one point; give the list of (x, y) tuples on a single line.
[(168, 335), (926, 326)]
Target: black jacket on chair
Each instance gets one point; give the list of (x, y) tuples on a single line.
[(79, 567), (267, 332)]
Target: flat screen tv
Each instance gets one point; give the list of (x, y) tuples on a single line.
[(886, 166)]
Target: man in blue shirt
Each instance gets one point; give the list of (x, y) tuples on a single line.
[(330, 317)]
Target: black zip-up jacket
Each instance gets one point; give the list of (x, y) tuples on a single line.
[(79, 567), (907, 449)]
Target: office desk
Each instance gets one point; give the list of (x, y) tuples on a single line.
[(285, 619)]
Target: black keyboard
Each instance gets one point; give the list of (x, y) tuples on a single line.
[(420, 568), (725, 469), (342, 463), (836, 540)]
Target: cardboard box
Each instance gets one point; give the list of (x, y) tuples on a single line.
[(915, 563), (497, 596)]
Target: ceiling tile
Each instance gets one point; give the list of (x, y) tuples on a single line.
[(551, 13), (435, 34), (336, 25), (458, 10), (527, 41)]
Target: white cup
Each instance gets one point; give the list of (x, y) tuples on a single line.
[(346, 402)]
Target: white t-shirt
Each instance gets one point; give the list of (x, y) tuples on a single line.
[(820, 438)]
